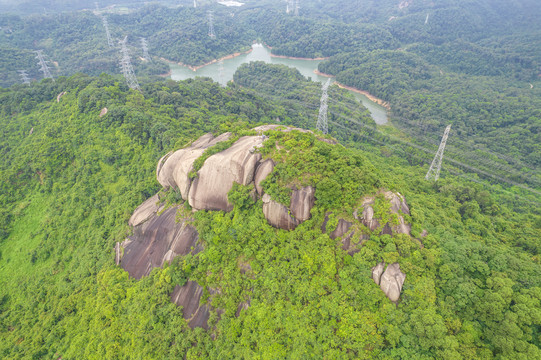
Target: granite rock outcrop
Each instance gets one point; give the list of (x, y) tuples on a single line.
[(189, 297), (156, 239), (390, 281)]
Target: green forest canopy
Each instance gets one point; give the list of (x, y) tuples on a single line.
[(68, 188)]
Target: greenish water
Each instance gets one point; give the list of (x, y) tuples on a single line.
[(222, 73)]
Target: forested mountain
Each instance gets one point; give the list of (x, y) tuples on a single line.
[(121, 238), (474, 64), (71, 178)]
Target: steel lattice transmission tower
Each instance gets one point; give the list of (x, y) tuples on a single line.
[(106, 26), (194, 3), (211, 25), (24, 76), (435, 167), (289, 6), (144, 46), (297, 6), (322, 117), (125, 66), (43, 64)]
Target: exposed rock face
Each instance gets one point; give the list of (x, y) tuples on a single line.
[(215, 179), (264, 128), (277, 214), (302, 202), (398, 206), (341, 229), (263, 170), (145, 211), (242, 306), (367, 218), (377, 271), (189, 296), (156, 240), (174, 167), (349, 240), (390, 281)]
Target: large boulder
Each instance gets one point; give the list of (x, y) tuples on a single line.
[(277, 214), (189, 297), (263, 170), (350, 242), (158, 239), (216, 177), (377, 271), (173, 169), (390, 280), (146, 210), (302, 201), (398, 206)]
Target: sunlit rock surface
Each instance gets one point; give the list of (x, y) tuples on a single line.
[(189, 297), (390, 281), (216, 177), (157, 239)]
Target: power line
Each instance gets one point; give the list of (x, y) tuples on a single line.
[(144, 46), (435, 167), (211, 25), (106, 26), (468, 154), (322, 117), (126, 67), (24, 76), (419, 147), (43, 65)]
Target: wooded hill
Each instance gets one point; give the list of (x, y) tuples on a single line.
[(70, 180), (472, 64)]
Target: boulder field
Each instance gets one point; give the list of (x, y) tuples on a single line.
[(159, 235)]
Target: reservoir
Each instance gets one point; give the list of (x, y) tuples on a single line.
[(223, 73)]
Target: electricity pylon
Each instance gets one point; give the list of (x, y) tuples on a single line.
[(106, 26), (126, 68), (435, 167), (144, 46), (289, 6), (194, 3), (322, 117), (44, 68), (24, 76), (297, 6), (211, 25)]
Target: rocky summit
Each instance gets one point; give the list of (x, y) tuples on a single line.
[(161, 232)]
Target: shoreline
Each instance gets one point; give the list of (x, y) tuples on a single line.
[(297, 58), (166, 74), (370, 97), (197, 67), (291, 57)]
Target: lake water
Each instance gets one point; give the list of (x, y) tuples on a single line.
[(223, 73)]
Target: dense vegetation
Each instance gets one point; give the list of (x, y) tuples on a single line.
[(70, 180), (473, 63), (301, 96)]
